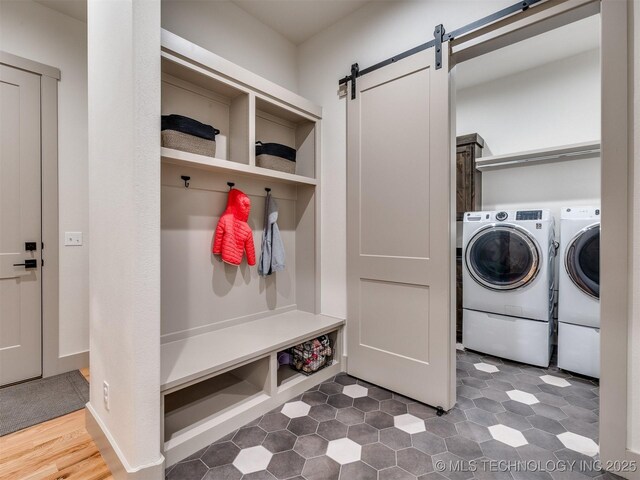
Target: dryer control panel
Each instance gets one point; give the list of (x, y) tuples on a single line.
[(529, 215), (508, 216), (580, 213)]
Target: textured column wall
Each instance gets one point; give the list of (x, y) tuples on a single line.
[(124, 200)]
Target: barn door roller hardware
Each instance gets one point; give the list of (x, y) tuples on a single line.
[(440, 37), (354, 74)]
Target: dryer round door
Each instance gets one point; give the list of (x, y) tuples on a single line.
[(503, 257), (582, 260)]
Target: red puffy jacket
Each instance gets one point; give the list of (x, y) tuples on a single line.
[(233, 234)]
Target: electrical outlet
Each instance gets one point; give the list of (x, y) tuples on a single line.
[(105, 395), (73, 239)]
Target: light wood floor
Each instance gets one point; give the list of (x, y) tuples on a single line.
[(60, 449)]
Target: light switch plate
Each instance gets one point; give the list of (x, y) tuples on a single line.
[(73, 238)]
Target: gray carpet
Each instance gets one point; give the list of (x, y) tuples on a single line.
[(34, 402)]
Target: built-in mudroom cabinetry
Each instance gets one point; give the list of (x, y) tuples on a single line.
[(468, 199), (224, 325)]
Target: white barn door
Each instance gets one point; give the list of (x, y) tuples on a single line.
[(400, 332)]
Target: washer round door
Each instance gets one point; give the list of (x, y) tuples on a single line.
[(582, 260), (503, 257)]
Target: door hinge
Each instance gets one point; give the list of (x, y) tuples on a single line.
[(438, 34), (42, 260)]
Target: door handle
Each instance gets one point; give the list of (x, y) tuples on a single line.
[(27, 264)]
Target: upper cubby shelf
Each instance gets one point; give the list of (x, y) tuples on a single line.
[(245, 107), (206, 61), (188, 92), (187, 159), (275, 124)]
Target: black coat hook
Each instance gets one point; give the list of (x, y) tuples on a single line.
[(267, 189), (231, 185), (186, 179)]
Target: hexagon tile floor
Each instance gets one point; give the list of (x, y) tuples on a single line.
[(511, 421)]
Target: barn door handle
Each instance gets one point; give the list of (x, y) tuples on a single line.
[(27, 264)]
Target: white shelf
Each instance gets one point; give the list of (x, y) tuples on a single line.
[(219, 417), (286, 374), (208, 401), (193, 358), (186, 159), (575, 151), (288, 377), (199, 58)]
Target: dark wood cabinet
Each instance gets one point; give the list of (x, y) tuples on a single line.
[(468, 198), (468, 178)]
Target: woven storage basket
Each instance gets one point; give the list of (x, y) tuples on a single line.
[(275, 163), (276, 157), (190, 126), (188, 143)]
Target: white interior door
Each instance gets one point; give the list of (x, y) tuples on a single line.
[(400, 332), (20, 222)]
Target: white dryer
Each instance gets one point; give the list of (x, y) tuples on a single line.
[(508, 284), (579, 291)]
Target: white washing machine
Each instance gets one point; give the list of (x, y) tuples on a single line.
[(508, 284), (579, 291)]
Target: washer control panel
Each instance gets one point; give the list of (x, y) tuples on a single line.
[(529, 215)]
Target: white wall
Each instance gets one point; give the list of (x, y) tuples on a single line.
[(225, 29), (554, 104), (552, 186), (124, 208), (551, 105), (38, 33)]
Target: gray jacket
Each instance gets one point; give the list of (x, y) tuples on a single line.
[(272, 255)]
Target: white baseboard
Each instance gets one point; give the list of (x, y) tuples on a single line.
[(113, 457)]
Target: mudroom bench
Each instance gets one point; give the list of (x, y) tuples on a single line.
[(216, 382)]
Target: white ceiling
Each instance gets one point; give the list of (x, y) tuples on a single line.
[(296, 20), (299, 20), (554, 45), (73, 8)]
